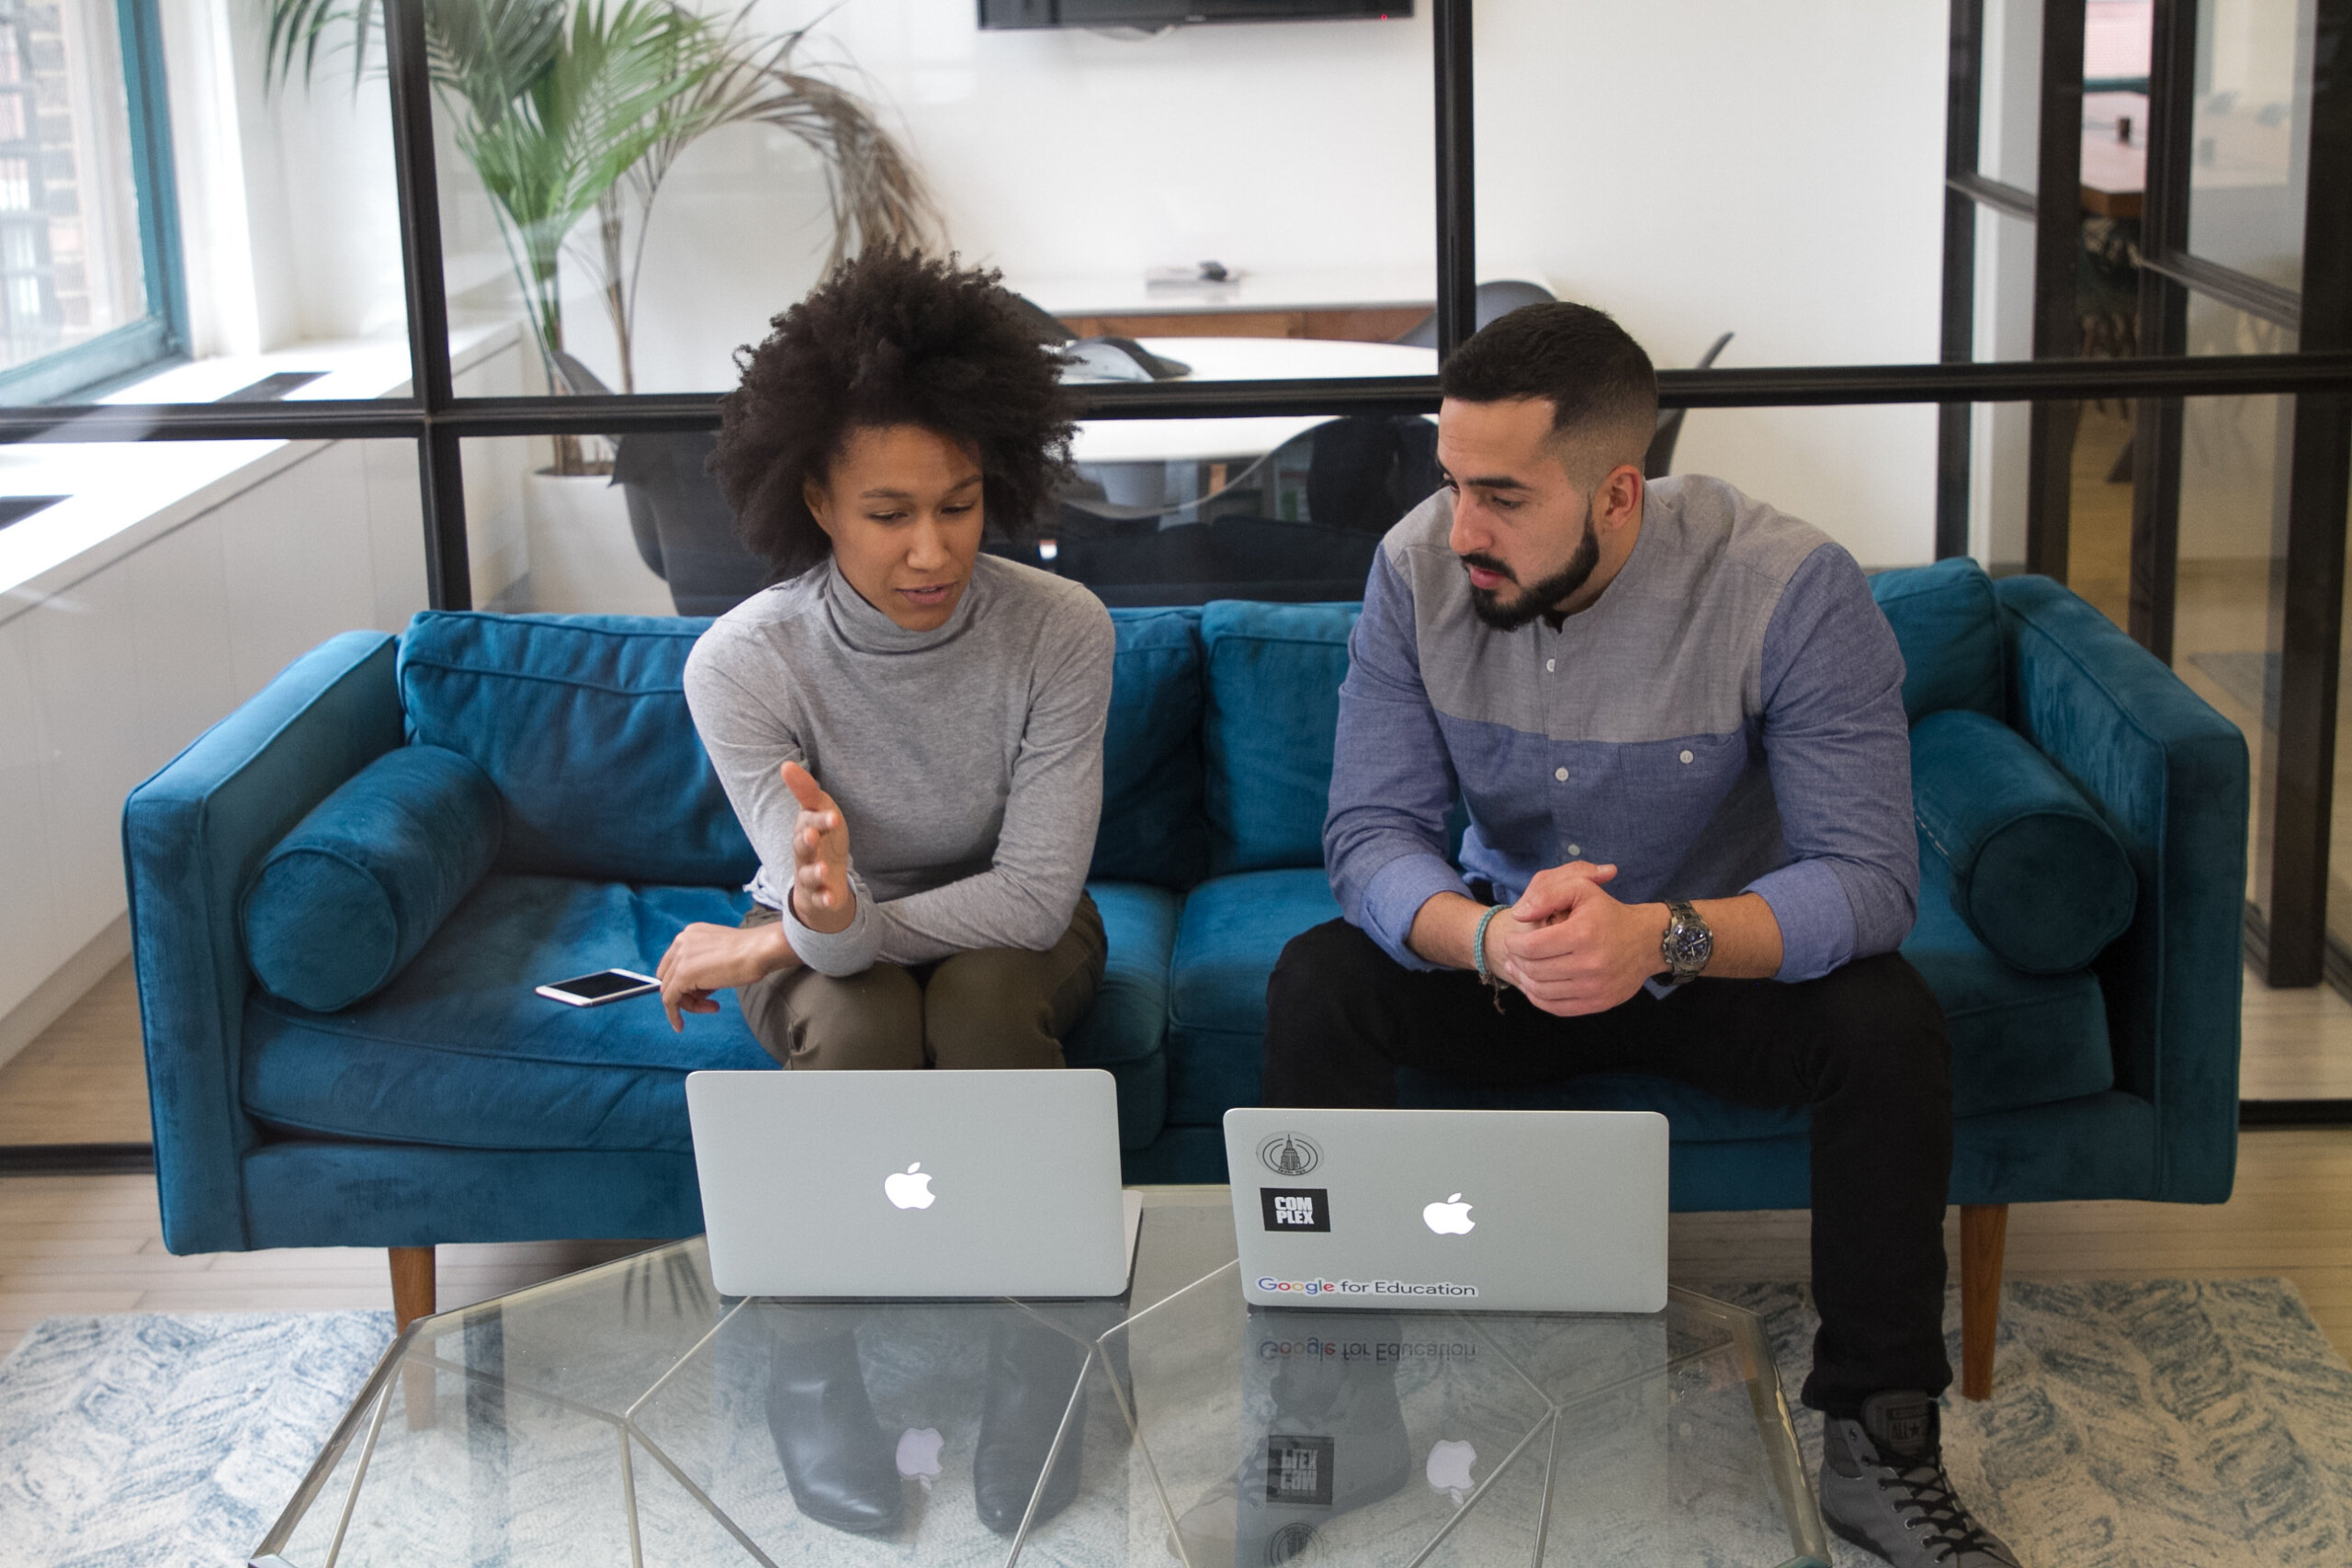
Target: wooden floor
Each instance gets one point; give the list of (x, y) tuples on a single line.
[(87, 1243)]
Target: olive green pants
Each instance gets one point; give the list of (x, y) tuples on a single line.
[(994, 1006)]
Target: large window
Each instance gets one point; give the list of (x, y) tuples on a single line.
[(89, 250)]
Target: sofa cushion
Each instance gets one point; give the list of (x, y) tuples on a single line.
[(581, 721), (1947, 625), (1152, 828), (352, 894), (2032, 867), (1273, 705), (1232, 930), (458, 1051), (2017, 1040), (1125, 1031)]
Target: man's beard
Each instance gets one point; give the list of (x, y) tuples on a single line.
[(1544, 595)]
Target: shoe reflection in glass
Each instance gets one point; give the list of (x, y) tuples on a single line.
[(1323, 1434), (844, 1471), (841, 1467), (1033, 1369)]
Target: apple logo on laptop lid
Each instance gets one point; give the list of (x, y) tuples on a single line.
[(1450, 1218), (910, 1188)]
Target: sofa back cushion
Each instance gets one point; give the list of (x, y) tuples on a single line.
[(1152, 826), (350, 895), (581, 722), (1273, 704), (1948, 625), (2033, 868)]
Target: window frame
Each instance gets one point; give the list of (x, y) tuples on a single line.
[(160, 336)]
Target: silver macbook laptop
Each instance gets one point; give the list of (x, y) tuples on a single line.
[(1494, 1211), (913, 1183)]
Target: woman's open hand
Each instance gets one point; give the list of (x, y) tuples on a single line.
[(821, 898)]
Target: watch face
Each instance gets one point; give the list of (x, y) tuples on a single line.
[(1687, 945)]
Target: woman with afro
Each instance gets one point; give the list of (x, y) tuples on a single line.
[(911, 733), (909, 730)]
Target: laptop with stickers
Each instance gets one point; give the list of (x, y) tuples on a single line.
[(1478, 1210)]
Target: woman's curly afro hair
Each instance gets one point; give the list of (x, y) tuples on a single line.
[(890, 338)]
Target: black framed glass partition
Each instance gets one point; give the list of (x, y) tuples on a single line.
[(2117, 447), (2196, 215)]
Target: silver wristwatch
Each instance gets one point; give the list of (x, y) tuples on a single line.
[(1687, 943)]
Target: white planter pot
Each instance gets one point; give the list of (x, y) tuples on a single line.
[(582, 558)]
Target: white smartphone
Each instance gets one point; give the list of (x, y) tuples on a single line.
[(603, 986)]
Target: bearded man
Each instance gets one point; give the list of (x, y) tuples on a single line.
[(1673, 717)]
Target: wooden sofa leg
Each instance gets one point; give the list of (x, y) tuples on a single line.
[(412, 1297), (413, 1292), (1983, 1228)]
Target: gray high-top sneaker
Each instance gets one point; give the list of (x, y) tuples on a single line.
[(1883, 1487)]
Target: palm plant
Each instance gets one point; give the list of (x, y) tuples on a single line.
[(573, 109)]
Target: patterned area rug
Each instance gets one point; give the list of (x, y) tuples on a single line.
[(156, 1441), (2173, 1421), (2133, 1423)]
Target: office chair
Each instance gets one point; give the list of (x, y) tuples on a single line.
[(684, 528), (1659, 461), (1495, 299)]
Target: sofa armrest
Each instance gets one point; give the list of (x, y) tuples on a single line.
[(2171, 776), (192, 836)]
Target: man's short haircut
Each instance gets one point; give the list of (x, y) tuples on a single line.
[(1602, 388), (890, 338)]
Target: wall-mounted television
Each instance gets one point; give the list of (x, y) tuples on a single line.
[(1005, 14)]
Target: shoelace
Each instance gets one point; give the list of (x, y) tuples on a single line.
[(1949, 1528)]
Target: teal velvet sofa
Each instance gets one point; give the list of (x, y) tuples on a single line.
[(451, 1104)]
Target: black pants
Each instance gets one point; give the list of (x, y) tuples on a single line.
[(1863, 1047)]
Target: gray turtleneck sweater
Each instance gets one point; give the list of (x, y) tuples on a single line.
[(967, 760)]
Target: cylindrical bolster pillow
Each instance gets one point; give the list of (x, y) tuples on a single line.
[(350, 895), (2036, 871)]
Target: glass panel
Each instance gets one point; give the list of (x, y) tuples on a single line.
[(2116, 38), (2117, 34), (2251, 135), (1804, 219), (2233, 546), (539, 539), (2009, 121), (1180, 512), (70, 264), (1159, 512), (2098, 514), (2318, 1073), (1865, 475), (1295, 208)]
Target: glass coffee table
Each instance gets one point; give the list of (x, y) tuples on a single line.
[(622, 1416)]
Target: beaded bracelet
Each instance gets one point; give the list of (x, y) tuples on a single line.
[(1479, 955)]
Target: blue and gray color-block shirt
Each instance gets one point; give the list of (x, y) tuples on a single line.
[(1727, 718)]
